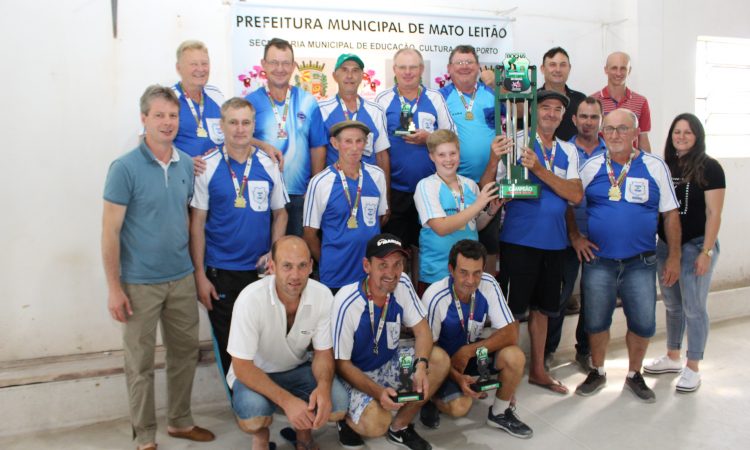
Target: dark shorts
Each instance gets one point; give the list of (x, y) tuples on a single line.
[(489, 236), (450, 390), (531, 278), (404, 220)]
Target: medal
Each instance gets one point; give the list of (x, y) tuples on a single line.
[(280, 118), (239, 199), (351, 223), (549, 162), (468, 107), (282, 134), (201, 132), (469, 115), (240, 202), (467, 328), (371, 309), (615, 194)]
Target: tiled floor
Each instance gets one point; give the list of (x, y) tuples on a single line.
[(713, 417)]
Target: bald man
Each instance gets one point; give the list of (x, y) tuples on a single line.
[(617, 95), (274, 322)]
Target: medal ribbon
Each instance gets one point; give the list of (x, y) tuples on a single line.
[(548, 162), (461, 313), (371, 307), (460, 202), (404, 103), (346, 111), (624, 173), (196, 114), (353, 207), (468, 106), (248, 164), (280, 119)]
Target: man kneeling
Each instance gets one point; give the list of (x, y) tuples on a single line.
[(457, 308), (273, 323), (367, 324)]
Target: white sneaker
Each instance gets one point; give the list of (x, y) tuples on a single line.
[(663, 365), (689, 380)]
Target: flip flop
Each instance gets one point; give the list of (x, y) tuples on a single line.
[(556, 386), (290, 436)]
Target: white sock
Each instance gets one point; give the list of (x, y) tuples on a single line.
[(396, 431), (601, 370), (631, 373), (499, 406)]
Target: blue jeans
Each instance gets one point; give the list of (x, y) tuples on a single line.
[(299, 381), (295, 210), (555, 324), (686, 301), (634, 280)]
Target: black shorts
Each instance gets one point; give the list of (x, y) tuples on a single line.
[(404, 220), (531, 278), (489, 236)]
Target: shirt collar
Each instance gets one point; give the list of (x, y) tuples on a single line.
[(605, 93), (149, 155)]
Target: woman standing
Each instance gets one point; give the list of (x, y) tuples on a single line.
[(700, 186)]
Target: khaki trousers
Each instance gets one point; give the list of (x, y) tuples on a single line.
[(175, 304)]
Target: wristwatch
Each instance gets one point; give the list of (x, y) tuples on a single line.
[(424, 360), (708, 252)]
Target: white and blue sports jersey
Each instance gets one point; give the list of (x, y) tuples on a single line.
[(627, 227), (410, 163), (187, 139), (475, 135), (442, 315), (433, 200), (540, 223), (237, 237), (369, 113), (304, 127), (353, 338), (327, 209), (580, 209)]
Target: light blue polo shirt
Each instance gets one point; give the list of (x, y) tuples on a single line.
[(154, 234)]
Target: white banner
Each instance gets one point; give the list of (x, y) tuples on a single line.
[(319, 36)]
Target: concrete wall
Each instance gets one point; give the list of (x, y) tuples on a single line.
[(74, 91)]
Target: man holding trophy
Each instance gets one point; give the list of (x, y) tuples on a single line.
[(380, 375), (534, 237), (457, 308)]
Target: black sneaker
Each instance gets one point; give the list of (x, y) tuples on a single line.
[(593, 383), (408, 438), (510, 423), (348, 438), (637, 386), (430, 416)]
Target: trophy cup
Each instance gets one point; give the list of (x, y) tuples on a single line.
[(485, 382), (406, 122), (512, 84), (405, 392)]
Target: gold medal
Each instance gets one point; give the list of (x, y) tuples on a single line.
[(469, 115), (351, 223), (201, 132), (240, 202), (282, 134), (615, 194)]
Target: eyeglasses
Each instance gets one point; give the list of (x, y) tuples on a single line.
[(622, 129), (285, 64), (464, 63)]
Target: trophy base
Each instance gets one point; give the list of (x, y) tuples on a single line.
[(405, 397), (403, 132), (484, 386), (518, 190)]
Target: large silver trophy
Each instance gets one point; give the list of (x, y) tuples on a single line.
[(515, 85)]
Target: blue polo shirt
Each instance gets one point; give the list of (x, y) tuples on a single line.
[(409, 162), (540, 223), (369, 113), (353, 338), (237, 237), (187, 138), (304, 127), (626, 228), (154, 234), (580, 209), (327, 209), (442, 314), (476, 135)]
